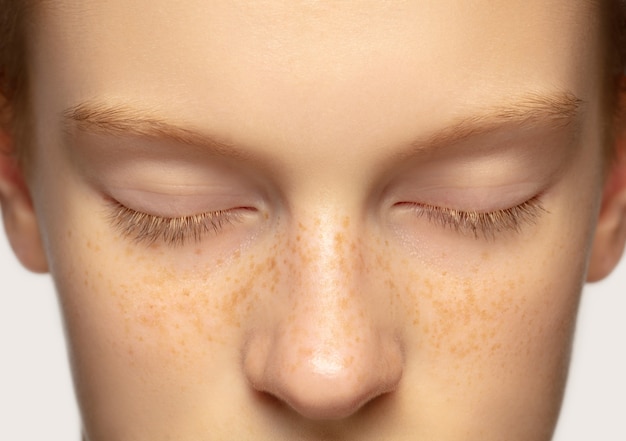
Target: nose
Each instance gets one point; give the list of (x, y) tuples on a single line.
[(332, 348)]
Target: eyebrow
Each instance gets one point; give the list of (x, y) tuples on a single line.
[(128, 121), (556, 109)]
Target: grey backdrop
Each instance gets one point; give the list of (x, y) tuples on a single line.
[(36, 399)]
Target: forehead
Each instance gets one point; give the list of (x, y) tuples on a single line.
[(266, 58), (288, 35)]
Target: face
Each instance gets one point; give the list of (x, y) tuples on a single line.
[(315, 220)]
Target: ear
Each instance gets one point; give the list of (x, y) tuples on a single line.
[(20, 221), (610, 236)]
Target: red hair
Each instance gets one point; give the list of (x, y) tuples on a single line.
[(13, 77)]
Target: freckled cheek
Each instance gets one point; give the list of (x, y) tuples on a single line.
[(498, 321), (494, 320), (474, 341), (125, 301)]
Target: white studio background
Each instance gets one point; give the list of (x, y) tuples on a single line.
[(37, 402)]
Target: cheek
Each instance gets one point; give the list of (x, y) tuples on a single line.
[(150, 329), (489, 326), (486, 326), (131, 296)]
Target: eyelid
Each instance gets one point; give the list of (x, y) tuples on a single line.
[(486, 224), (171, 201), (174, 231)]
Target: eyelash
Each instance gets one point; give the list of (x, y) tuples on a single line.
[(175, 231), (482, 224), (149, 228)]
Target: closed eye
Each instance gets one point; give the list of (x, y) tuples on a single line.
[(478, 223), (174, 231)]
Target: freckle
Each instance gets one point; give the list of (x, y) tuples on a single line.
[(339, 240), (305, 352), (343, 303), (347, 361)]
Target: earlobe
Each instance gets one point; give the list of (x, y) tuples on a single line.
[(18, 214), (610, 236)]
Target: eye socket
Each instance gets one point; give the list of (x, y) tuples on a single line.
[(481, 224), (174, 231)]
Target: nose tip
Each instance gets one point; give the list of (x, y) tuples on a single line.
[(327, 383)]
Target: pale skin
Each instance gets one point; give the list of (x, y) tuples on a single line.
[(333, 300)]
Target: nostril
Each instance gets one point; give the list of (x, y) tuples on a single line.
[(325, 384)]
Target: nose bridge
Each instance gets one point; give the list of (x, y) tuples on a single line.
[(328, 262), (328, 306)]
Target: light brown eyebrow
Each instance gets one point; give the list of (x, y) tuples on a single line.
[(127, 121), (558, 110)]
